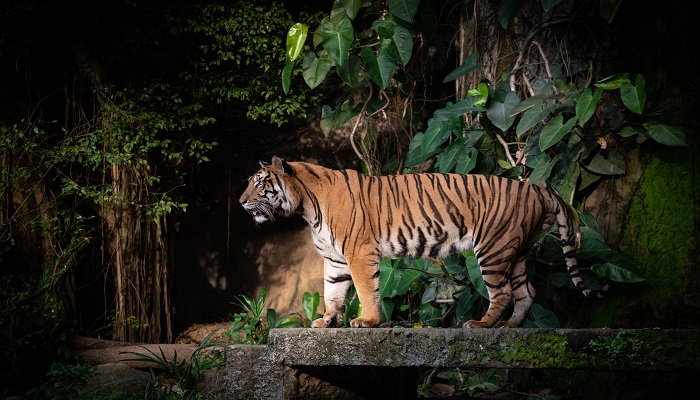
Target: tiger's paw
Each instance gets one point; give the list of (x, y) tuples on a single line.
[(364, 323), (329, 320), (472, 324), (506, 324)]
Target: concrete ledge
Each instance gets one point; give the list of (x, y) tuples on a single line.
[(375, 363), (614, 349)]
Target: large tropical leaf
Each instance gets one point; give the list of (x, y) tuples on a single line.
[(468, 65), (618, 268), (608, 163), (295, 40), (315, 68), (542, 318), (400, 41), (475, 276), (404, 9), (554, 131), (532, 117), (665, 134), (337, 39), (287, 75), (379, 69), (500, 114), (586, 105), (634, 96)]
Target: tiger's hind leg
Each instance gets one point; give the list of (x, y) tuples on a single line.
[(523, 294), (495, 269), (337, 281)]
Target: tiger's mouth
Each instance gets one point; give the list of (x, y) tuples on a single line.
[(259, 213)]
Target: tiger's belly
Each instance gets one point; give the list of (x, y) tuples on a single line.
[(425, 242)]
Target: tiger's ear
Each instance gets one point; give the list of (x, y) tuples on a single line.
[(281, 166)]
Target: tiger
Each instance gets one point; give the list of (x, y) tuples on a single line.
[(356, 220)]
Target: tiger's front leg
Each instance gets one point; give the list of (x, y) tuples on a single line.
[(337, 281)]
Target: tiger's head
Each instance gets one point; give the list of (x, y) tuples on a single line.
[(270, 191)]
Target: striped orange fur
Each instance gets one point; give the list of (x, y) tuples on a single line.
[(356, 220)]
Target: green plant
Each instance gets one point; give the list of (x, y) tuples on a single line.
[(252, 326), (181, 373), (557, 129)]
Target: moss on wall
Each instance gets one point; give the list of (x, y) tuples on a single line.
[(661, 234)]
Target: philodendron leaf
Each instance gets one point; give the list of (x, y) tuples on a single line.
[(586, 105), (635, 96), (468, 65), (295, 40), (665, 134), (554, 131), (618, 268), (404, 9), (613, 82), (337, 39), (610, 163), (500, 114), (379, 69), (287, 75), (315, 68)]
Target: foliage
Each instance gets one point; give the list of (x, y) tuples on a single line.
[(557, 131), (183, 373), (252, 326), (240, 50)]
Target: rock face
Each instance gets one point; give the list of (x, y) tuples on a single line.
[(288, 265)]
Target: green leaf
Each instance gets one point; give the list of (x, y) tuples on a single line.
[(468, 65), (287, 75), (542, 318), (386, 278), (415, 154), (618, 268), (434, 136), (613, 82), (465, 303), (586, 105), (400, 41), (635, 96), (351, 7), (474, 273), (387, 310), (500, 114), (587, 178), (543, 170), (349, 72), (408, 278), (315, 69), (554, 131), (295, 40), (608, 163), (457, 110), (452, 154), (549, 4), (337, 39), (665, 134), (532, 117), (345, 112), (404, 9), (310, 305), (379, 69), (467, 162)]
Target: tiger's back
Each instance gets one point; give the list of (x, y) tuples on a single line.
[(357, 220)]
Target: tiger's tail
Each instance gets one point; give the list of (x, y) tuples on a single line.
[(569, 223)]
